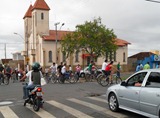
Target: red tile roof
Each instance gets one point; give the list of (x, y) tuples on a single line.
[(52, 34), (120, 42), (29, 12), (40, 4)]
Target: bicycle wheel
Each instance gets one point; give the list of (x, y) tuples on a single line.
[(6, 80), (88, 77), (73, 78), (118, 80), (53, 79), (103, 80)]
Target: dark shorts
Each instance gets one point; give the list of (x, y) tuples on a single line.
[(107, 73)]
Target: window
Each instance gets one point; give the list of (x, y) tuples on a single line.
[(124, 57), (153, 80), (42, 16), (136, 78), (64, 57), (50, 56), (76, 56)]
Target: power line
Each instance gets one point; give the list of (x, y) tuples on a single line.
[(153, 1)]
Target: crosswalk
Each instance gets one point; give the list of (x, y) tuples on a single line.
[(70, 108)]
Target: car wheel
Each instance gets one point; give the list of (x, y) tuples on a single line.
[(159, 113), (82, 75), (113, 102)]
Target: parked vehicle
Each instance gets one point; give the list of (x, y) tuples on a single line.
[(86, 71), (140, 93), (35, 98)]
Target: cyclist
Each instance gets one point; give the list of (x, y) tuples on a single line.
[(53, 68), (78, 69), (90, 67), (8, 71), (104, 65), (109, 70)]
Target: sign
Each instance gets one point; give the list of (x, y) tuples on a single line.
[(27, 59), (156, 57)]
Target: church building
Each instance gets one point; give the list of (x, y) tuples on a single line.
[(43, 45)]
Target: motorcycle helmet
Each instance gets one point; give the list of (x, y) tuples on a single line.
[(35, 66)]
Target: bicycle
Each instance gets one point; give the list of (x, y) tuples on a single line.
[(49, 77), (116, 79), (89, 77), (103, 79), (70, 77)]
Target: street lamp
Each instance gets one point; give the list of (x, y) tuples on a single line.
[(57, 38), (26, 48)]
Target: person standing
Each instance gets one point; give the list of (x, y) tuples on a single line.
[(118, 68), (138, 68), (146, 66), (1, 73)]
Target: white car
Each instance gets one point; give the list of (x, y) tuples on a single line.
[(86, 71), (140, 93)]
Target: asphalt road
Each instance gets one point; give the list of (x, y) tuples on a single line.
[(85, 99)]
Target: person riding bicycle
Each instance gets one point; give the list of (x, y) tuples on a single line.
[(109, 70), (64, 72), (34, 77), (90, 67), (8, 71), (104, 65), (53, 68)]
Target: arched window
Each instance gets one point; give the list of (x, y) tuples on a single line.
[(50, 56), (42, 16), (76, 56)]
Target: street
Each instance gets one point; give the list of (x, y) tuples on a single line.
[(86, 99)]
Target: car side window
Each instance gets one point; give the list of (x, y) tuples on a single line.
[(153, 80), (138, 78)]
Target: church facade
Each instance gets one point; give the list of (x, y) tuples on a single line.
[(43, 45)]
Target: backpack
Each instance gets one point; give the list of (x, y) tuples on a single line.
[(36, 78)]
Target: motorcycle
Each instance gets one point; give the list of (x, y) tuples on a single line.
[(35, 98)]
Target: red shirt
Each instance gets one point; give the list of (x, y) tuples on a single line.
[(108, 67)]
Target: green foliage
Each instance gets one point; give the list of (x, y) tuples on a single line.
[(92, 36)]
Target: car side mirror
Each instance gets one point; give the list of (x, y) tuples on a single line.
[(123, 83)]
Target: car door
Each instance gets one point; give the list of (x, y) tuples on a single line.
[(129, 94), (150, 94)]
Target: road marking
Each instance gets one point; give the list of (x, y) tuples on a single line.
[(7, 112), (98, 99), (97, 108), (42, 113), (70, 110)]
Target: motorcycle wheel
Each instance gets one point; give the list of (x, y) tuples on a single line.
[(36, 105)]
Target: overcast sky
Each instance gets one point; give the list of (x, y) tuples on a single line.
[(136, 21)]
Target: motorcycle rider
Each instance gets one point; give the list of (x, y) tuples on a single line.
[(34, 77)]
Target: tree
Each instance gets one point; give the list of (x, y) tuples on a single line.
[(93, 37)]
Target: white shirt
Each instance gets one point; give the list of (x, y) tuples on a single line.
[(29, 76), (104, 65), (53, 69), (63, 69)]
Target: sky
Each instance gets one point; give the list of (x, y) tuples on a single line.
[(136, 21)]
